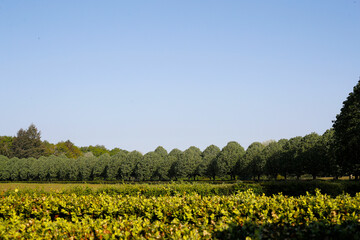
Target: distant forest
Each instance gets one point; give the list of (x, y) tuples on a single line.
[(335, 153)]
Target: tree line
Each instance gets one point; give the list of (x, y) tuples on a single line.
[(27, 143), (334, 153), (293, 157)]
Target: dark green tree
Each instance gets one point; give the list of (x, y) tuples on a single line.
[(331, 167), (163, 169), (186, 166), (6, 146), (291, 161), (114, 172), (101, 167), (4, 165), (161, 151), (146, 167), (312, 155), (272, 154), (127, 167), (50, 148), (174, 157), (208, 165), (27, 143), (229, 161), (347, 134), (255, 159), (85, 166)]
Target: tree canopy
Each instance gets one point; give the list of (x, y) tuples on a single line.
[(27, 143), (347, 133)]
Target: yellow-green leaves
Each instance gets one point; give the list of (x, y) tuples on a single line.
[(240, 216)]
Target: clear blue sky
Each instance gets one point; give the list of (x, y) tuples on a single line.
[(139, 74)]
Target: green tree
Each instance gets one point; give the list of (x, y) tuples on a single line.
[(164, 170), (291, 161), (127, 167), (186, 165), (229, 161), (97, 150), (116, 161), (115, 151), (50, 148), (50, 168), (4, 164), (85, 166), (145, 169), (312, 155), (208, 165), (101, 167), (255, 159), (272, 154), (6, 146), (174, 158), (347, 134), (68, 149), (165, 163), (161, 151), (24, 168), (328, 152), (27, 143)]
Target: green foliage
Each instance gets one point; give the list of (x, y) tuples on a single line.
[(208, 165), (255, 159), (187, 164), (245, 215), (272, 153), (291, 161), (229, 157), (115, 164), (164, 164), (161, 151), (115, 151), (311, 154), (146, 167), (347, 134), (6, 145), (27, 143), (68, 149), (97, 150)]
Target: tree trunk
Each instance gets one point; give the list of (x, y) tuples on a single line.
[(314, 177)]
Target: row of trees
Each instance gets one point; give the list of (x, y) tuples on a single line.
[(335, 153), (27, 143), (295, 157)]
